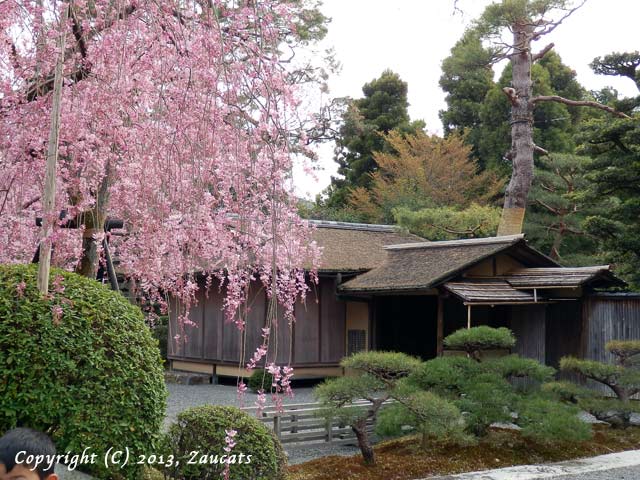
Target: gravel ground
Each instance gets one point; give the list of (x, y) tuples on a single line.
[(630, 473), (182, 397)]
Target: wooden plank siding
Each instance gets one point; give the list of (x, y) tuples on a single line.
[(318, 333), (610, 317), (605, 318), (528, 324)]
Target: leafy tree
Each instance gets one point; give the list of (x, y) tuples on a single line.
[(450, 223), (375, 382), (422, 171), (383, 108)]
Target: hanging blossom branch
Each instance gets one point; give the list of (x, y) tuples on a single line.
[(177, 118)]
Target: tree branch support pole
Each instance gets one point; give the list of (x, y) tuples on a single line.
[(49, 197), (440, 327)]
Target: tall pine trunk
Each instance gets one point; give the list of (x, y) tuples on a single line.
[(522, 146)]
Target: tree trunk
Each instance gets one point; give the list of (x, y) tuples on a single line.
[(93, 222), (368, 455), (49, 197), (515, 201)]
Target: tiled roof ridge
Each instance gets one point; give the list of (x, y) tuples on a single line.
[(369, 227), (508, 239)]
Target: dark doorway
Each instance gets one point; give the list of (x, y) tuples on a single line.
[(407, 324)]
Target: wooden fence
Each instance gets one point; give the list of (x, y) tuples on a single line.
[(303, 422)]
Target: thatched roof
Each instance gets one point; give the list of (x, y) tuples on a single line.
[(356, 247), (421, 266)]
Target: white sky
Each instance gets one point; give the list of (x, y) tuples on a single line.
[(412, 37)]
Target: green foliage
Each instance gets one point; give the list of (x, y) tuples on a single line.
[(514, 366), (626, 351), (91, 378), (445, 375), (566, 392), (486, 399), (466, 80), (382, 365), (435, 418), (337, 396), (202, 429), (560, 203), (472, 340), (450, 223), (614, 145), (383, 108), (547, 420), (619, 65), (260, 380), (623, 380), (160, 332), (600, 372)]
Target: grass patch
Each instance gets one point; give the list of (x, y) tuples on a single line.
[(402, 459)]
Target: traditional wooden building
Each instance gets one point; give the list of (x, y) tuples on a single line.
[(384, 289)]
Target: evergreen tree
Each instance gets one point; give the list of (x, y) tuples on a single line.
[(614, 145), (383, 108), (560, 202)]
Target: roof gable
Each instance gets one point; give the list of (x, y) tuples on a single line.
[(420, 266)]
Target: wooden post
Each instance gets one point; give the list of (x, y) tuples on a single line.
[(468, 316), (49, 197), (440, 327), (276, 426)]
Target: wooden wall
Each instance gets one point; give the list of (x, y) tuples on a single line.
[(316, 338), (528, 323), (609, 317)]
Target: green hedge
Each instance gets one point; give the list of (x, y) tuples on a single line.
[(260, 380), (202, 430), (92, 379)]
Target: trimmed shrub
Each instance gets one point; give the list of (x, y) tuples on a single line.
[(514, 366), (436, 419), (550, 421), (202, 430), (260, 380), (80, 364), (487, 399), (382, 365), (473, 340), (444, 375)]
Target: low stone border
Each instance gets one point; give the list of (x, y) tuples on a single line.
[(581, 466)]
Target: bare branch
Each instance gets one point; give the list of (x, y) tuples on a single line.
[(551, 26), (540, 150), (578, 103), (537, 56)]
